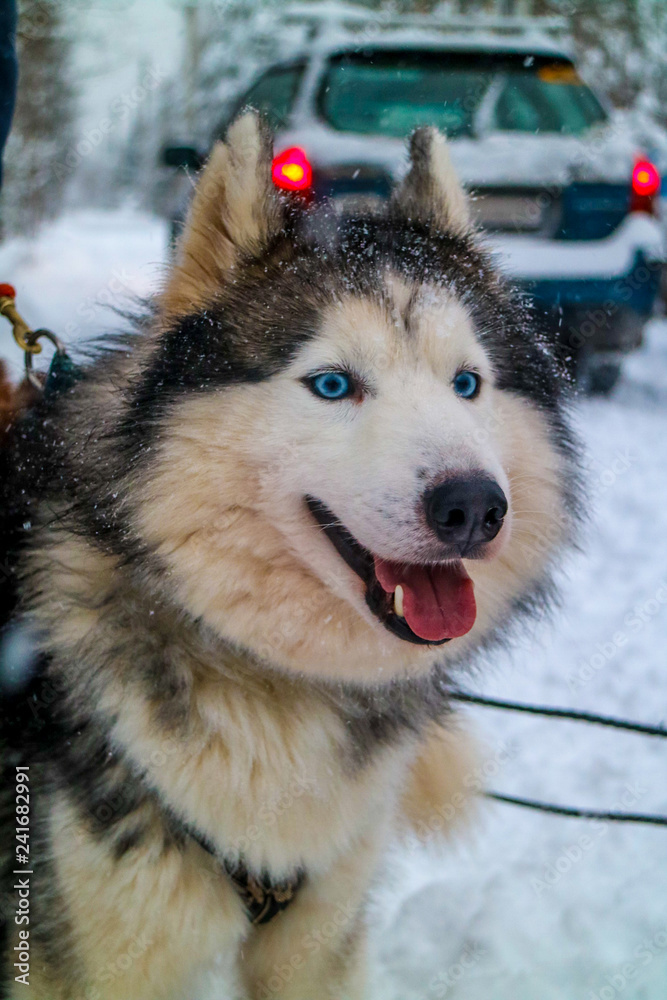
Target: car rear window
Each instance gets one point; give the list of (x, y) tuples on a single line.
[(392, 92), (274, 94)]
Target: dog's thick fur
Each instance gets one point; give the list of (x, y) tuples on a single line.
[(208, 661)]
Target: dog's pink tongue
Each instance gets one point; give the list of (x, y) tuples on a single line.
[(438, 601)]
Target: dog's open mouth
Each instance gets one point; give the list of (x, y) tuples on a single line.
[(428, 604)]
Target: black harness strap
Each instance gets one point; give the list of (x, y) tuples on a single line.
[(262, 898)]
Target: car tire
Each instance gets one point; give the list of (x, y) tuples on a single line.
[(597, 375), (603, 378)]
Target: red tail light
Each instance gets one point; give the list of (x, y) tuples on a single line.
[(645, 187), (291, 170)]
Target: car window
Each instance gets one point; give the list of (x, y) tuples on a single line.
[(274, 94), (392, 92), (546, 101)]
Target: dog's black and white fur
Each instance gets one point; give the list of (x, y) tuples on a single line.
[(216, 690)]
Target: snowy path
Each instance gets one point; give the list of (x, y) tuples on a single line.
[(522, 906)]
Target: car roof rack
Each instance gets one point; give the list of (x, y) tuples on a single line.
[(321, 18)]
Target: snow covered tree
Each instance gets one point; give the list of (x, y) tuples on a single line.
[(43, 128), (237, 38), (149, 107), (624, 43)]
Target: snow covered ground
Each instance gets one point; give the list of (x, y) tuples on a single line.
[(70, 276), (520, 906)]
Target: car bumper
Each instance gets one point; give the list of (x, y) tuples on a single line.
[(622, 270)]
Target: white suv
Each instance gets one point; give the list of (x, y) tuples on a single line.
[(565, 193)]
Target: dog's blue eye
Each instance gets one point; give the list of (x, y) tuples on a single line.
[(332, 385), (467, 384)]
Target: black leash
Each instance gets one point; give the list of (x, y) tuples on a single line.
[(566, 713), (607, 817), (560, 713)]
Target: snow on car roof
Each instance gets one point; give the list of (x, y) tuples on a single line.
[(529, 44), (334, 26)]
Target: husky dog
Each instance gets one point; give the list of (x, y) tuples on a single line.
[(331, 463)]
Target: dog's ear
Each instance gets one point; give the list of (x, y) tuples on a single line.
[(235, 212), (432, 191)]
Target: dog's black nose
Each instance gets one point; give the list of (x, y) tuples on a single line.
[(466, 512)]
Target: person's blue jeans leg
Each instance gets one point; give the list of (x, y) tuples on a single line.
[(8, 70)]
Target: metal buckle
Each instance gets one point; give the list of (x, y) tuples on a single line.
[(32, 337)]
